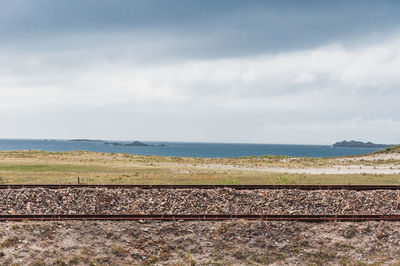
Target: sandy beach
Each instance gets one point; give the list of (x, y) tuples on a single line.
[(381, 164)]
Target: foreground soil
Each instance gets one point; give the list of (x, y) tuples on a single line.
[(202, 243)]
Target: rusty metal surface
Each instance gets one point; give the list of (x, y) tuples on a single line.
[(238, 187)]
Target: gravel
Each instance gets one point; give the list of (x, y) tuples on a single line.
[(196, 201)]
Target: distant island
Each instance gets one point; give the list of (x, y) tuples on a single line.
[(87, 140), (359, 144), (135, 143)]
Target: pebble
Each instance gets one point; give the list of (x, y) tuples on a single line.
[(196, 201)]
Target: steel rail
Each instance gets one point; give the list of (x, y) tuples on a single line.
[(237, 187), (200, 217)]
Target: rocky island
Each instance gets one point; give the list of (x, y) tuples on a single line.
[(359, 144), (87, 140), (135, 143)]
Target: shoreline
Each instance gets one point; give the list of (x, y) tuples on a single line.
[(186, 149)]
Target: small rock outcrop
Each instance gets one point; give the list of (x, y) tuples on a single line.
[(135, 143)]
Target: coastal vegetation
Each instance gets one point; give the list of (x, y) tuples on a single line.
[(360, 144), (24, 167), (392, 149)]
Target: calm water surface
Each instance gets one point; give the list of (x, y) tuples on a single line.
[(185, 149)]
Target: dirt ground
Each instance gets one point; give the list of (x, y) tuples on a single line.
[(199, 243)]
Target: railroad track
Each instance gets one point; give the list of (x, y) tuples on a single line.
[(238, 187), (205, 217), (297, 218)]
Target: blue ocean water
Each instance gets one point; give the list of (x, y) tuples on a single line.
[(185, 149)]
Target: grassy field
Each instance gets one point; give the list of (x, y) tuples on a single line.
[(28, 167)]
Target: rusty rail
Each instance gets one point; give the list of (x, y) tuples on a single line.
[(200, 217), (238, 187)]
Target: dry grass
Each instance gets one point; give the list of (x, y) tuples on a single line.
[(23, 167)]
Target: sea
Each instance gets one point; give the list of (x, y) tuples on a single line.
[(184, 149)]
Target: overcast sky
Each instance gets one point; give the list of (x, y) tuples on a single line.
[(311, 72)]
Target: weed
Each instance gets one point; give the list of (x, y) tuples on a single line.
[(74, 260), (321, 257), (37, 263), (189, 255), (222, 229), (189, 258), (266, 258), (118, 251), (240, 254), (349, 232), (15, 227), (346, 261), (60, 262), (9, 242), (397, 263)]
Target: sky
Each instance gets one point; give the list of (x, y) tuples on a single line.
[(295, 72)]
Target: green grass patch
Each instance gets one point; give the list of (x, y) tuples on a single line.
[(391, 149), (50, 168)]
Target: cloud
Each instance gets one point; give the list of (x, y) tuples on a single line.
[(205, 29), (334, 70), (205, 71), (314, 90)]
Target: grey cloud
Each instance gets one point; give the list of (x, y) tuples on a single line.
[(150, 69), (198, 28)]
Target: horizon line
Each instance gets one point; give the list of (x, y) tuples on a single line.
[(174, 141)]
